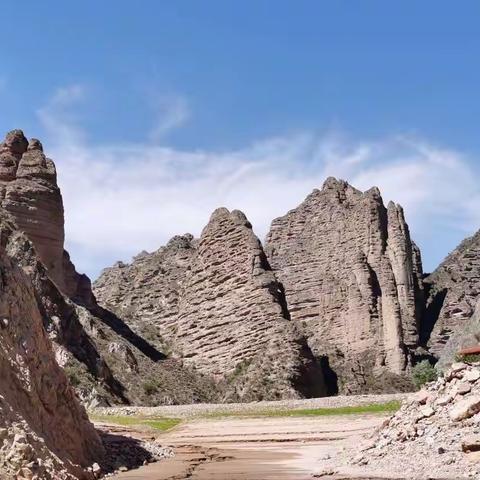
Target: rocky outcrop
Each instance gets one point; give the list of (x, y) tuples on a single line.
[(233, 323), (45, 433), (29, 192), (146, 292), (352, 279), (453, 292), (102, 356), (215, 303), (435, 432), (465, 335)]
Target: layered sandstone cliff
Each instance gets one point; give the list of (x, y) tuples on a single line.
[(29, 192), (345, 274), (233, 322), (45, 433), (146, 292), (103, 357), (453, 293), (352, 279), (217, 305)]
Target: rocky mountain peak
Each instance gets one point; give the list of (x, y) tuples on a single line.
[(352, 279), (15, 143)]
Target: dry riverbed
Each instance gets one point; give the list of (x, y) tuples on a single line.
[(262, 441)]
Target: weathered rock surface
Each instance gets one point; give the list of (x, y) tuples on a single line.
[(29, 192), (431, 432), (102, 356), (146, 292), (44, 431), (454, 289), (352, 279), (216, 304), (233, 322)]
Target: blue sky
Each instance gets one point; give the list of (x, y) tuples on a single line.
[(245, 104)]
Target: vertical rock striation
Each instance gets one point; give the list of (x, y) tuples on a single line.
[(147, 292), (352, 279), (215, 303)]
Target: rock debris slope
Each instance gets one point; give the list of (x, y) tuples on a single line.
[(102, 356), (454, 289), (435, 434), (352, 279), (44, 431)]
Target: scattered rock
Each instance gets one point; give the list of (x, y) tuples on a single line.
[(472, 376), (471, 443), (465, 408), (462, 388), (433, 436)]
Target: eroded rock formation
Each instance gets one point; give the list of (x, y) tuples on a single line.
[(352, 279), (29, 192), (43, 429), (454, 289), (102, 356), (216, 303), (146, 292), (233, 322)]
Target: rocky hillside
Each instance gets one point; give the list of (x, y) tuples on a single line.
[(147, 292), (453, 293), (216, 303), (345, 275), (352, 279), (435, 433), (44, 431), (102, 356)]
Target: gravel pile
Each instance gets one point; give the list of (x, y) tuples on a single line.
[(435, 434)]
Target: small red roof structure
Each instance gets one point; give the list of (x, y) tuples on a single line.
[(470, 350)]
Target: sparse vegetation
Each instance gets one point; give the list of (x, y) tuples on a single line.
[(159, 423), (388, 407), (150, 387), (240, 369), (78, 375), (468, 358), (422, 373)]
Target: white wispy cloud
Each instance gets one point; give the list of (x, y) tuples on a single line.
[(120, 199), (170, 112), (58, 117)]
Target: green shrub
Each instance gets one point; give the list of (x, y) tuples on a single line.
[(468, 358), (150, 387), (422, 373)]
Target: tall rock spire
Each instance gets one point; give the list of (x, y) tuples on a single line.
[(352, 281), (29, 192)]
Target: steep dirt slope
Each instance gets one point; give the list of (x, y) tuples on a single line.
[(44, 430)]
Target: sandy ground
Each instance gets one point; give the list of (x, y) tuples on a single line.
[(279, 448)]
